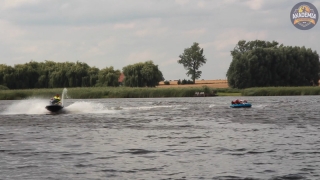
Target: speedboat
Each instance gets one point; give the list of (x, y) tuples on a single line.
[(54, 106), (241, 105)]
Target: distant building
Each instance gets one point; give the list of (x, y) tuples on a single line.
[(120, 79)]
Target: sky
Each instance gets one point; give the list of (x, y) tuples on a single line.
[(104, 33)]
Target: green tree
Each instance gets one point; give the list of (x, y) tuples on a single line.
[(142, 75), (243, 46), (7, 76), (151, 74), (93, 73), (108, 77), (260, 64), (192, 59)]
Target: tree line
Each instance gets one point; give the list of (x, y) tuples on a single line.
[(51, 74), (262, 64), (254, 64)]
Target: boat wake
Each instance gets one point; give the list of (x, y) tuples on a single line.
[(37, 106), (27, 106), (83, 107), (146, 107)]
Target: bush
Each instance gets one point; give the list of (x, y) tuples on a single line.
[(186, 82), (104, 92), (2, 87), (166, 83), (190, 82), (282, 91)]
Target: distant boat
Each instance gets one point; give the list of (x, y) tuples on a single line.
[(243, 105)]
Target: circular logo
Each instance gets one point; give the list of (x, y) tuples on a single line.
[(304, 15)]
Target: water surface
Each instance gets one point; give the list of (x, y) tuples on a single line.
[(161, 138)]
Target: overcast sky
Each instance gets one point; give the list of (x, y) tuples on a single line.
[(117, 33)]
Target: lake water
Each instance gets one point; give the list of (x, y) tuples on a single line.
[(161, 138)]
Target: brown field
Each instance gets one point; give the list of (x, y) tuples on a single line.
[(219, 83)]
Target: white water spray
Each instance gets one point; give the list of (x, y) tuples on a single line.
[(27, 106), (64, 94)]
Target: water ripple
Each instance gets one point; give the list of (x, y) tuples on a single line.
[(167, 138)]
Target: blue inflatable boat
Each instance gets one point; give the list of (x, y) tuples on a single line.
[(244, 105)]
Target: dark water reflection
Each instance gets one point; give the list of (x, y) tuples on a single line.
[(170, 138)]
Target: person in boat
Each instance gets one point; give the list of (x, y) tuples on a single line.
[(242, 101), (56, 99), (238, 101)]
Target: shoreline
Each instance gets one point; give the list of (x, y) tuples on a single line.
[(202, 88), (219, 83)]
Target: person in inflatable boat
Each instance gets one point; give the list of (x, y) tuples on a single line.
[(238, 101)]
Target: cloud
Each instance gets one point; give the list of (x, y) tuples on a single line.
[(255, 4), (207, 45), (10, 31), (7, 4), (182, 2), (317, 5), (151, 32), (130, 25), (169, 62), (150, 27), (230, 38), (195, 32), (104, 33), (142, 56), (201, 4)]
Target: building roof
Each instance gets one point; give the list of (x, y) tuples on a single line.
[(121, 77)]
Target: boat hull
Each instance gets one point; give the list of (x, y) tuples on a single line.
[(245, 105), (54, 108)]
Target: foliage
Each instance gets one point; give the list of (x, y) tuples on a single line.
[(108, 77), (282, 91), (127, 92), (48, 74), (228, 94), (192, 59), (260, 63), (105, 92), (142, 75), (166, 83), (184, 81), (3, 87)]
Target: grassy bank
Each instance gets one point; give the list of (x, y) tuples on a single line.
[(126, 92), (111, 92), (282, 91)]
